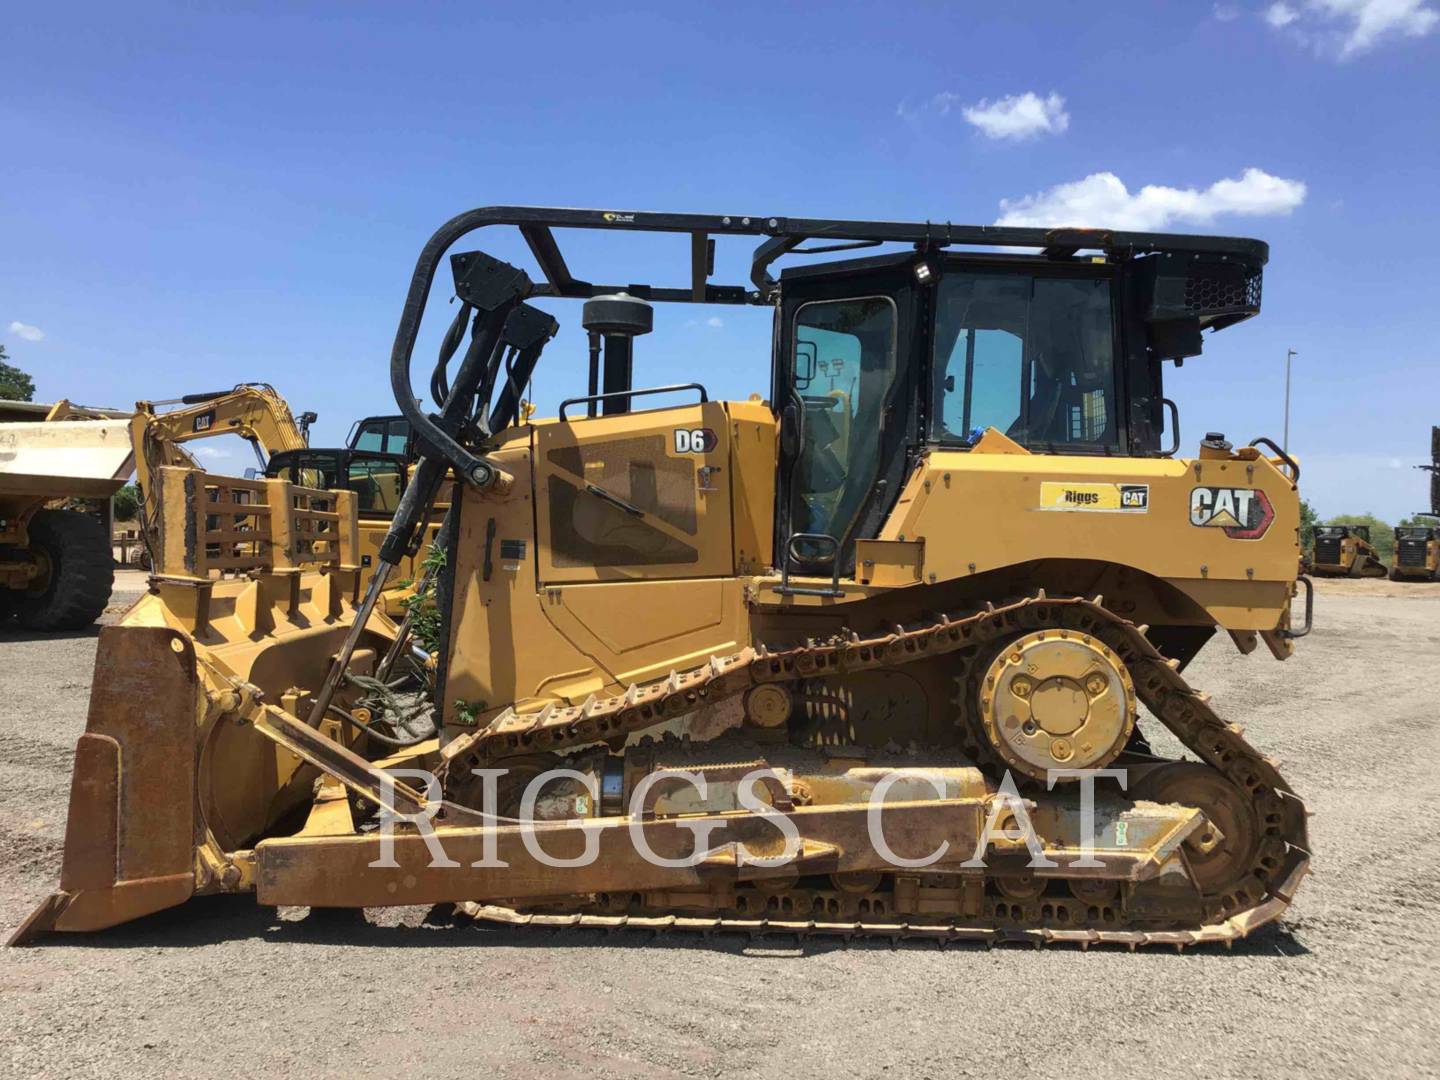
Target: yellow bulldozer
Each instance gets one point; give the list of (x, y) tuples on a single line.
[(876, 653)]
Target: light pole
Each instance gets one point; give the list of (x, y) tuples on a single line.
[(1285, 439)]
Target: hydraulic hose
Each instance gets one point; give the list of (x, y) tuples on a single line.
[(439, 380), (388, 740)]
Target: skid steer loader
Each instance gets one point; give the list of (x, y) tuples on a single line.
[(868, 656), (1345, 551), (1417, 546), (1417, 551)]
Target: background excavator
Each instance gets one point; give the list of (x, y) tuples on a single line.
[(948, 567), (374, 465), (253, 411)]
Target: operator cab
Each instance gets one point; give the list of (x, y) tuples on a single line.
[(382, 434), (1342, 532), (377, 479), (881, 360), (1417, 532)]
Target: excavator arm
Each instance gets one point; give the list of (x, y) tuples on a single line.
[(254, 411)]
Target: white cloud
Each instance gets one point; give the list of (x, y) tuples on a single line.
[(1346, 28), (1226, 12), (1372, 20), (1019, 116), (212, 452), (1280, 14), (944, 102), (26, 331), (1101, 200), (715, 322), (941, 104)]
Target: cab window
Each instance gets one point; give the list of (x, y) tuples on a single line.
[(399, 437), (307, 470), (371, 436), (1030, 356), (377, 484)]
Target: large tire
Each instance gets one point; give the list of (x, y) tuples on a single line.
[(82, 571)]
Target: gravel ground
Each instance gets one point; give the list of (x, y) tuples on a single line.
[(1347, 985)]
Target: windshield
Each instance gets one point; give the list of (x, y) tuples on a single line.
[(1031, 356), (377, 480)]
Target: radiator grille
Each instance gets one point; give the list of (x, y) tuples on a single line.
[(1327, 549), (1410, 552)]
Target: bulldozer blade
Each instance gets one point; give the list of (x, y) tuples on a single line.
[(129, 837)]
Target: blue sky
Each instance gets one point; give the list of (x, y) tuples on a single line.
[(193, 195)]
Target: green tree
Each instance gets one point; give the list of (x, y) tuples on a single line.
[(1382, 535), (1308, 520), (127, 503), (15, 385)]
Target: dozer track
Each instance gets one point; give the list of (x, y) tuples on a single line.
[(1258, 896)]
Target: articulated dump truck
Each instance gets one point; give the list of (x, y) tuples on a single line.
[(878, 654), (60, 465)]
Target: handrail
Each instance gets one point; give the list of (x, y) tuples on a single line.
[(1309, 610), (704, 397), (786, 589), (1174, 428), (1282, 455)]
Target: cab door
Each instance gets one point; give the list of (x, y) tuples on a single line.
[(845, 387), (634, 496)]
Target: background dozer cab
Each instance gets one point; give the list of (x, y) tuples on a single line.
[(382, 435), (59, 467), (1345, 551), (689, 651)]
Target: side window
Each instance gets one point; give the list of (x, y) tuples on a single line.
[(980, 333), (377, 484), (1030, 356), (371, 437), (1073, 365), (399, 439), (842, 373), (309, 471)]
